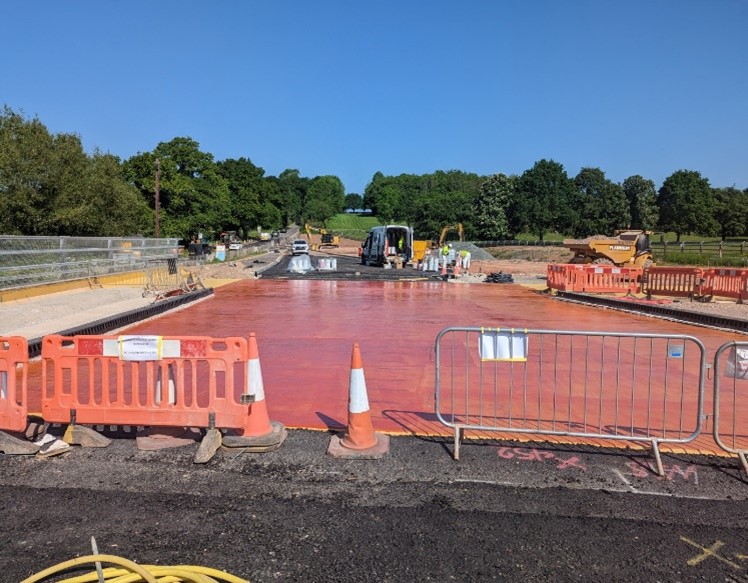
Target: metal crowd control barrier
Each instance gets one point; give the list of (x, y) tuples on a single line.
[(731, 399), (145, 381), (14, 358), (726, 283), (607, 385), (674, 281)]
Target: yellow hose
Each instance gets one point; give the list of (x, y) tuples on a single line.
[(130, 572)]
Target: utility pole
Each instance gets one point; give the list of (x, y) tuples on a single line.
[(156, 192)]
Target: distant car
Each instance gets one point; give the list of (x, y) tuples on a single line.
[(235, 246), (284, 230), (299, 247)]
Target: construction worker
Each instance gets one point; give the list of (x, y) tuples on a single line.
[(465, 259), (445, 254)]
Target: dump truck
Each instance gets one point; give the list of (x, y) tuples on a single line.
[(392, 244), (623, 249)]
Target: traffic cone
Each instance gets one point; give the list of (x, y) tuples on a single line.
[(456, 269), (259, 433), (360, 441)]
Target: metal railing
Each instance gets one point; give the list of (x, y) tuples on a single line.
[(605, 385), (28, 261), (731, 399)]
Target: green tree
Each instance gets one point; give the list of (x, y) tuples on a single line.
[(292, 188), (731, 211), (325, 198), (686, 204), (642, 198), (388, 203), (491, 205), (601, 206), (50, 186), (246, 188), (372, 190), (542, 202), (354, 201), (439, 209), (111, 206), (193, 197)]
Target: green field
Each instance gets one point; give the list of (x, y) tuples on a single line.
[(351, 226)]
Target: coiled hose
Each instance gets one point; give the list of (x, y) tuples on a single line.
[(129, 572)]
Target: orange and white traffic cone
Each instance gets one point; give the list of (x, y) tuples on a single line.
[(360, 441), (259, 433)]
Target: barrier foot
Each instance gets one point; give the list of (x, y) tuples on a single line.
[(155, 438), (85, 437), (260, 443), (208, 446), (11, 445), (658, 459), (458, 440), (337, 450)]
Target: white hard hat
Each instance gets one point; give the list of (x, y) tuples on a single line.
[(450, 244)]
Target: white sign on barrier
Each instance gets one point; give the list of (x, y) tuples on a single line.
[(140, 347), (504, 345), (737, 363)]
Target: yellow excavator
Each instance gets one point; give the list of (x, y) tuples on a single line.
[(447, 229), (326, 239)]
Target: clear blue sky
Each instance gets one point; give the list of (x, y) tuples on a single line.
[(350, 87)]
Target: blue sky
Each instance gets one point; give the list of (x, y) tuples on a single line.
[(349, 87)]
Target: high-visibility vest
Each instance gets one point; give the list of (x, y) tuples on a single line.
[(445, 250)]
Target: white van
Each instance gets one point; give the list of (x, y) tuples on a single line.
[(387, 243)]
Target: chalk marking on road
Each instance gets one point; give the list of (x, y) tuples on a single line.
[(618, 473), (490, 482), (634, 490), (708, 552)]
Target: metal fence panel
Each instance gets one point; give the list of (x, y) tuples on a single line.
[(38, 260), (610, 385), (731, 399)]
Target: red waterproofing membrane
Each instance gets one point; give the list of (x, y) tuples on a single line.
[(305, 331)]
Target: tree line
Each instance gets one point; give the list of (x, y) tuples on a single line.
[(50, 186), (545, 199)]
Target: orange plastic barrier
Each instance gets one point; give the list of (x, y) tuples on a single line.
[(726, 283), (14, 359), (144, 380), (674, 281), (559, 276), (594, 278)]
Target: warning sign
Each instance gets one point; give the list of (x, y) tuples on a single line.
[(140, 347)]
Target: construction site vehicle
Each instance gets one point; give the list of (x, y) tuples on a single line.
[(449, 228), (623, 249), (328, 239), (392, 244)]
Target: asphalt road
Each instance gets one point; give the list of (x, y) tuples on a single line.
[(502, 512)]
